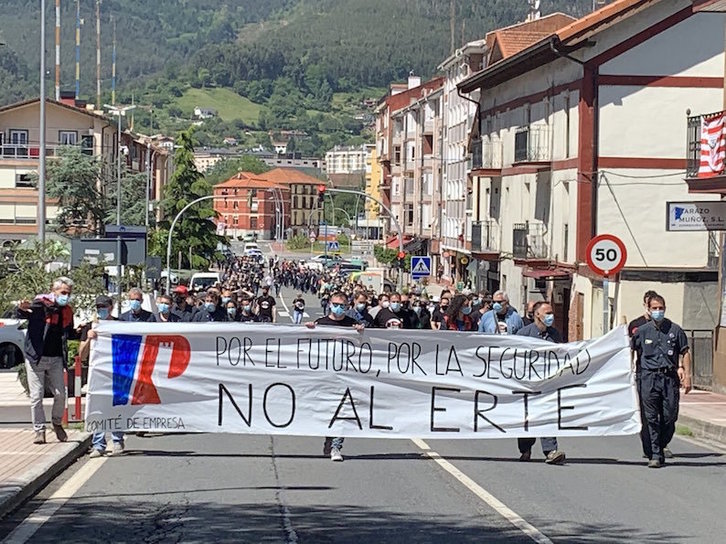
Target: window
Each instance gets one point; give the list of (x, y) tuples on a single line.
[(397, 155), (67, 137), (235, 205), (23, 181), (409, 214), (18, 143), (87, 144), (253, 223)]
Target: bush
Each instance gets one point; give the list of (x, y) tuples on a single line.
[(343, 239), (298, 242)]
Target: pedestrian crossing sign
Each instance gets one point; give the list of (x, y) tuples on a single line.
[(333, 245), (420, 267)]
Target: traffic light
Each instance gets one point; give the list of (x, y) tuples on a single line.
[(401, 260), (321, 194)]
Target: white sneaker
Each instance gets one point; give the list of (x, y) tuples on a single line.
[(335, 455), (96, 453), (118, 449)]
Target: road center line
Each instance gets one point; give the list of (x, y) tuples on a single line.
[(30, 525), (502, 509)]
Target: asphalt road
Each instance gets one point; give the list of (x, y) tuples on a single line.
[(237, 488)]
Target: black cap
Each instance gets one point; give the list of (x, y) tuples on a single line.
[(103, 300)]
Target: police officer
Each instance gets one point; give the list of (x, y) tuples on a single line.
[(665, 365)]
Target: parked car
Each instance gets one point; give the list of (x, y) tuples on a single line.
[(12, 339), (201, 281)]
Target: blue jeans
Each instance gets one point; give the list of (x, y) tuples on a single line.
[(297, 316), (99, 440)]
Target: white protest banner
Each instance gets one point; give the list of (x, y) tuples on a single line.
[(330, 381)]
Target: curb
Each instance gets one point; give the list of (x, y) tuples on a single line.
[(704, 429), (39, 481)]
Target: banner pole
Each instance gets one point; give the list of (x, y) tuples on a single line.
[(605, 305)]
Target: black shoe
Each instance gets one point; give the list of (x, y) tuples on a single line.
[(327, 445), (60, 433), (526, 456)]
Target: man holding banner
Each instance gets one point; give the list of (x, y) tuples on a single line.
[(542, 328), (336, 318)]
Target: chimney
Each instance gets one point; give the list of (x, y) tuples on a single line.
[(68, 98), (413, 80)]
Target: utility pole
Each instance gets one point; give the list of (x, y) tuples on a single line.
[(452, 24), (113, 65), (41, 167), (57, 48), (78, 49), (98, 54)]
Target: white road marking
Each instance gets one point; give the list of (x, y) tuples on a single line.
[(30, 525), (498, 506)]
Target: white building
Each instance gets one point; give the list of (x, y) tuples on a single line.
[(582, 134), (458, 116), (344, 159)]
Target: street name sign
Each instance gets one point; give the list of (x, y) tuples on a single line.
[(420, 267)]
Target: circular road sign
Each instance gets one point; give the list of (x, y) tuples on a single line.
[(606, 255), (312, 237)]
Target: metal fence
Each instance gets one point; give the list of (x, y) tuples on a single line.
[(701, 344)]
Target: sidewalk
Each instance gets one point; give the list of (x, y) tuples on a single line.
[(704, 413), (25, 468)]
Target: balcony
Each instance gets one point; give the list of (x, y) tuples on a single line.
[(485, 237), (532, 144), (528, 242), (706, 153), (31, 151), (486, 155)]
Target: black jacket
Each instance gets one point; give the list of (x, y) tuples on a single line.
[(40, 319)]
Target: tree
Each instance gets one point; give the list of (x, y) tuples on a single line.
[(227, 168), (78, 181), (133, 200), (195, 228)]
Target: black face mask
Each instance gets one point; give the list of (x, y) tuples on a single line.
[(179, 299)]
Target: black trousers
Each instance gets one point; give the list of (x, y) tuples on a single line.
[(660, 394)]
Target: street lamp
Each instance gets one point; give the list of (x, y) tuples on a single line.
[(41, 157), (119, 111)]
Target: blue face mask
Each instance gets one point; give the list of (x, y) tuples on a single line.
[(361, 306), (135, 305), (62, 300), (497, 307), (337, 310), (163, 307), (231, 312), (247, 308), (209, 306), (225, 300), (475, 301), (548, 320), (395, 307), (103, 313), (417, 309), (657, 315), (466, 310)]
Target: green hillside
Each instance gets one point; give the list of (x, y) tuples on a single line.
[(229, 105)]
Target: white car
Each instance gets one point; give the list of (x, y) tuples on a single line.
[(12, 340), (201, 281)]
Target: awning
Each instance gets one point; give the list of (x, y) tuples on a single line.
[(547, 273), (392, 242)]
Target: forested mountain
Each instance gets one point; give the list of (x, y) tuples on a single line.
[(284, 59)]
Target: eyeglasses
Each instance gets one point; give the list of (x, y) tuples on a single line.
[(337, 305)]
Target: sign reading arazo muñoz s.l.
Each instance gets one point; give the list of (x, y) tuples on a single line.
[(273, 379)]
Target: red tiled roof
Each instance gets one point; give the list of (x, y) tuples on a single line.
[(505, 42), (403, 99), (289, 175), (247, 180)]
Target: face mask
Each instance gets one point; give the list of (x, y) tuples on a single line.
[(497, 307), (247, 308), (231, 312), (103, 313), (385, 304), (179, 300), (475, 301), (163, 307), (225, 300), (417, 309), (135, 305), (657, 315), (405, 304), (548, 320), (337, 310), (209, 306), (395, 307), (62, 300), (466, 310), (361, 306)]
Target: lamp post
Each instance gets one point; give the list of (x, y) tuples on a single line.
[(41, 157), (119, 111)]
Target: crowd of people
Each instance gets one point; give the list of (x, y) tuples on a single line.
[(244, 294)]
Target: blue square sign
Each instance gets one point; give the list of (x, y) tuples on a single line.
[(420, 267)]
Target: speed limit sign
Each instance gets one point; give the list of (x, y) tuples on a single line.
[(606, 255)]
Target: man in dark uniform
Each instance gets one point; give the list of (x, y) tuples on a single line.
[(181, 308), (137, 314), (542, 328), (266, 306), (395, 316), (665, 365), (633, 327)]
